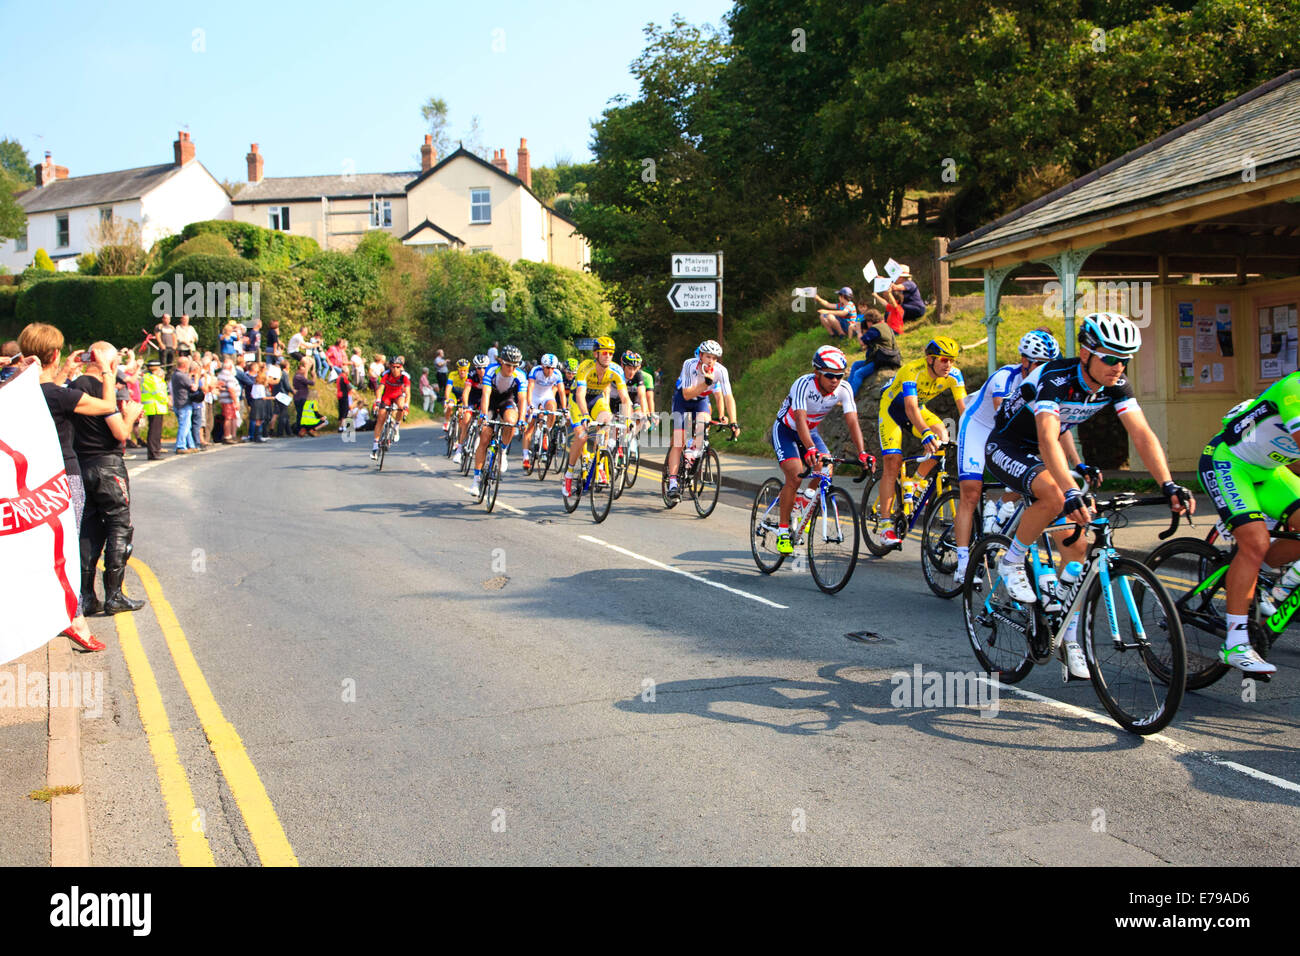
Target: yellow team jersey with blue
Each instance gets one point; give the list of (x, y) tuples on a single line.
[(914, 379)]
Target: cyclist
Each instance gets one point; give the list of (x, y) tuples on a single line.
[(394, 390), (473, 394), (702, 376), (641, 393), (502, 391), (1245, 468), (1024, 451), (596, 375), (545, 389), (794, 433), (456, 383), (570, 372), (1036, 347), (902, 405)]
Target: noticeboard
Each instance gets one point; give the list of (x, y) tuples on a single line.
[(1204, 345), (1276, 331)]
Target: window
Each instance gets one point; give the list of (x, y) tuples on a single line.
[(381, 213), (62, 225), (480, 205), (106, 215), (280, 218), (20, 243)]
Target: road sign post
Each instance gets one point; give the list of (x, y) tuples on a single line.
[(697, 296)]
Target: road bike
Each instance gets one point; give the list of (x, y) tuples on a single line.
[(595, 478), (913, 500), (701, 471), (627, 458), (1196, 575), (546, 435), (468, 453), (939, 536), (388, 435), (490, 476), (825, 522), (1129, 627), (452, 421)]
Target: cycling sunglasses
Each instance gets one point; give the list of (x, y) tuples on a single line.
[(1113, 360), (833, 376)]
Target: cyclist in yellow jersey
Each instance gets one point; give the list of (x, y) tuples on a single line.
[(903, 405), (457, 381), (595, 375)]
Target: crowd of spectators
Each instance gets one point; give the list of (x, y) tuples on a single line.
[(875, 329)]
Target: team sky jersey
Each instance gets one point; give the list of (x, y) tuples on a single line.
[(503, 384), (1258, 431), (915, 379), (544, 382), (806, 396), (1003, 382), (597, 379), (1057, 387), (394, 386), (692, 376)]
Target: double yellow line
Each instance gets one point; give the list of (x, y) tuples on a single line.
[(245, 785)]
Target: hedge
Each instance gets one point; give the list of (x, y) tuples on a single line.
[(267, 248), (8, 303)]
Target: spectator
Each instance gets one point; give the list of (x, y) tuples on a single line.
[(228, 395), (252, 340), (298, 344), (283, 401), (492, 353), (840, 319), (229, 340), (153, 396), (426, 389), (343, 391), (908, 296), (210, 403), (106, 521), (358, 366), (272, 345), (196, 406), (337, 355), (182, 384), (441, 370), (166, 333), (317, 349), (376, 370), (882, 350), (893, 311), (361, 420), (45, 342), (129, 374), (187, 336), (301, 388), (257, 403), (246, 382), (311, 420)]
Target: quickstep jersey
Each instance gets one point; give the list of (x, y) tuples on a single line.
[(1057, 387), (1258, 431)]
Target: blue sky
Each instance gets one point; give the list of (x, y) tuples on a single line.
[(315, 85)]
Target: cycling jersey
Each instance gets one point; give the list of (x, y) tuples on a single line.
[(692, 376), (458, 380), (503, 384), (978, 419), (1056, 387), (642, 378), (914, 379), (1258, 431), (804, 395), (597, 379), (544, 383), (394, 387)]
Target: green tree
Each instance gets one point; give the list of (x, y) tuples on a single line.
[(15, 161)]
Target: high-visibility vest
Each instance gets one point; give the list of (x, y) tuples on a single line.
[(153, 395), (310, 415)]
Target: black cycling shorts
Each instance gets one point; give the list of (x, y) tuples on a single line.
[(1013, 464)]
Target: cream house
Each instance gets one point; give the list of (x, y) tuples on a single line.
[(64, 213), (467, 200)]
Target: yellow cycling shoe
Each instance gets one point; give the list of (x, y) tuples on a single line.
[(783, 545)]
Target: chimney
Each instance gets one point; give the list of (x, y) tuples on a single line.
[(254, 164), (44, 171), (183, 148), (499, 160), (428, 155), (523, 171)]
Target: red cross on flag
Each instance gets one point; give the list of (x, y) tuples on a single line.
[(39, 551)]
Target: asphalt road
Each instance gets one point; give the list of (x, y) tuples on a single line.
[(416, 681)]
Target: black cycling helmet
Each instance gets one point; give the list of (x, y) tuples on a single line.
[(511, 355)]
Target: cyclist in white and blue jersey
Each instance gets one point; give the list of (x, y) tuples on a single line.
[(545, 388)]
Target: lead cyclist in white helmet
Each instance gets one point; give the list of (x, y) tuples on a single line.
[(545, 387)]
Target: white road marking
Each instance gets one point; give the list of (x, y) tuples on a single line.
[(1174, 745), (499, 504), (687, 574)]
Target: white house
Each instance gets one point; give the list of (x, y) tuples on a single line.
[(64, 212)]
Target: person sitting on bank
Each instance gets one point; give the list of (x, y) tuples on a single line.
[(841, 318), (908, 296), (881, 348), (311, 420)]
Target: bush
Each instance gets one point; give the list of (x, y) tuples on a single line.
[(472, 298), (43, 261), (208, 244), (338, 286), (87, 263), (8, 304), (567, 305), (88, 309), (267, 248)]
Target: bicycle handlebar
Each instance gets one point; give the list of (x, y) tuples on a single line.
[(1126, 499), (827, 459)]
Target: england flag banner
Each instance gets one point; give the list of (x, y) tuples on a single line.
[(39, 552)]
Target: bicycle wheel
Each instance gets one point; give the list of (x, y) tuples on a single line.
[(451, 442), (1182, 565), (633, 462), (383, 446), (620, 470), (489, 463), (832, 540), (469, 451), (602, 485), (663, 483), (492, 477), (1000, 628), (571, 501), (763, 518), (874, 519), (939, 545), (1139, 671), (705, 483)]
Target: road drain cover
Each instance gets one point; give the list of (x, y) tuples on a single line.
[(495, 584), (865, 637)]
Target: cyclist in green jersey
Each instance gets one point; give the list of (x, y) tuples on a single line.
[(1244, 468)]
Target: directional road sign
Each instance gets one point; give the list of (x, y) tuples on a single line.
[(702, 265), (694, 297)]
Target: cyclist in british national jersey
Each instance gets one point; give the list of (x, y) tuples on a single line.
[(794, 433), (473, 395), (503, 389), (702, 376), (545, 389), (394, 391), (1245, 468), (1024, 451)]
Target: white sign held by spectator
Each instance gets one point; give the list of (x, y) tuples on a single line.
[(39, 551), (893, 269), (869, 271), (881, 283), (807, 291)]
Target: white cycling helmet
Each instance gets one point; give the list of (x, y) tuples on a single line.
[(550, 361), (710, 347), (829, 359), (1110, 332), (1039, 346)]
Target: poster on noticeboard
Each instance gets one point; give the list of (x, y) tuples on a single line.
[(1279, 340), (1204, 346)]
